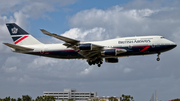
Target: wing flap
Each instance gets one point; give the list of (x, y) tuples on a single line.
[(88, 54), (17, 47), (97, 47)]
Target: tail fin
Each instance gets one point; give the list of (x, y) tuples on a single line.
[(20, 36)]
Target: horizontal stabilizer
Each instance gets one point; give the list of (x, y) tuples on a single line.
[(17, 47)]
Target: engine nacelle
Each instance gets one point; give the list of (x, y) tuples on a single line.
[(112, 60), (109, 52), (86, 46), (112, 52)]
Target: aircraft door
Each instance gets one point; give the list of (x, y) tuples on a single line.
[(153, 46), (43, 49)]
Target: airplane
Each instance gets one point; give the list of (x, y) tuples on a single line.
[(94, 52)]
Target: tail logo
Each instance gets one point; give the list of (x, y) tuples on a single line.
[(14, 30)]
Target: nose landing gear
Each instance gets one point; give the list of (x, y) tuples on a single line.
[(158, 59)]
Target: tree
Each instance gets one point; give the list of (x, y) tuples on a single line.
[(19, 99), (94, 99), (102, 100), (12, 99), (7, 99), (71, 100), (112, 99), (45, 98), (176, 99), (39, 98), (49, 98), (26, 98), (127, 98)]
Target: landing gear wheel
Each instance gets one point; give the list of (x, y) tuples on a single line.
[(90, 63), (158, 59), (97, 61)]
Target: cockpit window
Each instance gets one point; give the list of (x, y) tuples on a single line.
[(162, 37)]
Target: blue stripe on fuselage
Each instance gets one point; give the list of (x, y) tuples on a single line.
[(134, 50), (66, 54)]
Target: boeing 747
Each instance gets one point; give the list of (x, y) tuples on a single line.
[(94, 52)]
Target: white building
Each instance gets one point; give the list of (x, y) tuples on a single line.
[(70, 94)]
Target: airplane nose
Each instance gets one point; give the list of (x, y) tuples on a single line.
[(173, 45)]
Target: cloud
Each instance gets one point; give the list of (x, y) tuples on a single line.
[(19, 11), (34, 74), (127, 70), (11, 69), (82, 34), (122, 21), (86, 71), (151, 4), (35, 8), (118, 21)]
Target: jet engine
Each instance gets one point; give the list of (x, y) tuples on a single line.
[(86, 46), (112, 60), (112, 52)]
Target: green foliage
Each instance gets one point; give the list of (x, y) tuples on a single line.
[(26, 98), (176, 99), (94, 99), (12, 99), (6, 99), (45, 98), (19, 99), (127, 98), (112, 99), (71, 100), (102, 100)]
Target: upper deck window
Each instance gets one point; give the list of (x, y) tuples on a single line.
[(131, 39), (145, 38), (162, 37)]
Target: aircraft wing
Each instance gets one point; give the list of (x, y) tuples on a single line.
[(69, 42), (89, 54), (17, 47), (72, 43)]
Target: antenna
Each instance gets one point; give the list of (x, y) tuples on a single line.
[(156, 99), (152, 98)]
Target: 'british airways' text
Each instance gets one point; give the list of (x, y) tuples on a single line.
[(134, 41)]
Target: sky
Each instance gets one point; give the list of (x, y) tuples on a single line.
[(91, 20)]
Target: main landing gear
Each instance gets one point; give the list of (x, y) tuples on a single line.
[(96, 61), (158, 59)]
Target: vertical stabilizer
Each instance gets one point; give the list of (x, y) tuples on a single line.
[(20, 36)]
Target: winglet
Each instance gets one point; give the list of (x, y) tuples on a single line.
[(45, 32)]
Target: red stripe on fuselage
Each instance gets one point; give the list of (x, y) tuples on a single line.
[(20, 39), (144, 49)]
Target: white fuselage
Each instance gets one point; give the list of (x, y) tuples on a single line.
[(52, 50), (94, 51)]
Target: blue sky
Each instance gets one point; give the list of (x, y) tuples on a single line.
[(90, 20), (57, 20)]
